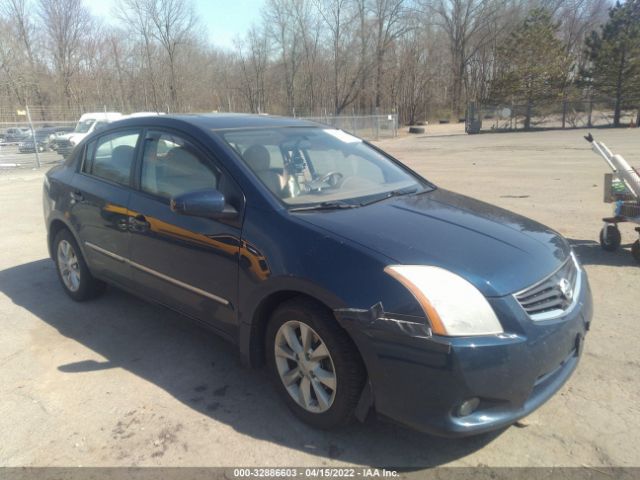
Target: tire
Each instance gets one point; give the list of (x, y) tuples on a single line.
[(635, 250), (610, 238), (416, 129), (337, 408), (85, 286)]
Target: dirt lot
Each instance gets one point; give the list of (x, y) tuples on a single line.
[(121, 382)]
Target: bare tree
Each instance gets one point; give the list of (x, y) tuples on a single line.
[(310, 28), (347, 72), (253, 58), (466, 24), (16, 12), (390, 17), (11, 79), (421, 58), (278, 18), (174, 22), (115, 45), (66, 23), (135, 14)]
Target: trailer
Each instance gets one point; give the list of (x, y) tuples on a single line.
[(622, 188)]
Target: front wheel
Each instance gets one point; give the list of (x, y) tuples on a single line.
[(314, 364), (610, 238), (74, 275)]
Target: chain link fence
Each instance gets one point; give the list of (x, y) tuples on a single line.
[(31, 145), (48, 114), (25, 144), (370, 127), (593, 113)]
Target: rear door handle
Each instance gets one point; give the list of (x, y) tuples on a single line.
[(76, 196)]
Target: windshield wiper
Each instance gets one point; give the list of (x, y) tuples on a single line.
[(393, 193), (325, 206)]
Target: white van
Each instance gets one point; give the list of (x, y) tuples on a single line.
[(88, 123)]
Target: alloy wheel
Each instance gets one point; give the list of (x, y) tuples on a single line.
[(305, 366), (68, 266)]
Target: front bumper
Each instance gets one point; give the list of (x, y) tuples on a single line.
[(65, 150), (63, 147), (421, 380), (30, 148)]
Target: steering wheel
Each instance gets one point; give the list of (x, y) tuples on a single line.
[(331, 179)]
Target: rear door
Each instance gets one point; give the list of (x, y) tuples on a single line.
[(100, 194), (188, 263)]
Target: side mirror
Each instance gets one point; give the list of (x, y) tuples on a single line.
[(207, 203)]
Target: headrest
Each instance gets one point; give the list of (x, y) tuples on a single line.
[(122, 155), (180, 155), (257, 157)]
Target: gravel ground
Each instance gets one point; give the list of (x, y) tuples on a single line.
[(118, 381)]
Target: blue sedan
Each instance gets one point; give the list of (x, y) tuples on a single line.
[(362, 286)]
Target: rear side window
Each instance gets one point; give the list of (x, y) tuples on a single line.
[(110, 157), (172, 166)]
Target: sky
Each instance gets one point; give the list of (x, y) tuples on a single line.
[(223, 19)]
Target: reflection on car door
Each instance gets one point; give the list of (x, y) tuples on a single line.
[(100, 194), (187, 263)]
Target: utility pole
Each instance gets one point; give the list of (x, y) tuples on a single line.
[(33, 136)]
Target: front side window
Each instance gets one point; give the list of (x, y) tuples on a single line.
[(314, 165), (172, 166), (110, 157), (100, 125)]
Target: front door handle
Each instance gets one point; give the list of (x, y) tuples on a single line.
[(139, 223)]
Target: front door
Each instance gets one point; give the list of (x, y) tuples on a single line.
[(188, 263), (100, 194)]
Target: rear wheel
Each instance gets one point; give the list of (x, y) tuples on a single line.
[(74, 275), (610, 238), (314, 364)]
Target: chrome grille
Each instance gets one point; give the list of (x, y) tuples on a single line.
[(553, 296)]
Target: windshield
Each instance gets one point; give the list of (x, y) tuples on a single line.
[(308, 165), (84, 126)]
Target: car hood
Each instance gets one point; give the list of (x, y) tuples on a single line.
[(496, 250)]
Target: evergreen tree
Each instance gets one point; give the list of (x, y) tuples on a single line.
[(533, 64), (614, 55)]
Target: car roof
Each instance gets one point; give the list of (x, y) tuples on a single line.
[(217, 121), (100, 116)]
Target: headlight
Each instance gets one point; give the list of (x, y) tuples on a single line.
[(453, 306)]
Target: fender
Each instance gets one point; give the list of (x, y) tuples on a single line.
[(56, 216), (252, 315)]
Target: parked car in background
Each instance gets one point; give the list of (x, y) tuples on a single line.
[(59, 134), (40, 141), (14, 135), (88, 123), (359, 283)]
